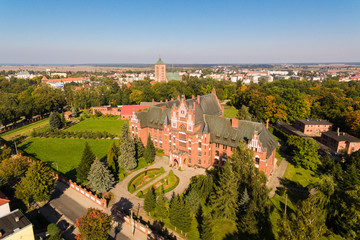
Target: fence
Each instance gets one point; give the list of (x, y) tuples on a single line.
[(17, 125)]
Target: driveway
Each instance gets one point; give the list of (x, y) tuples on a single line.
[(276, 176)]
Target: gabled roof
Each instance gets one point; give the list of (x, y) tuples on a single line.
[(314, 121), (159, 62), (128, 109), (222, 132), (13, 221)]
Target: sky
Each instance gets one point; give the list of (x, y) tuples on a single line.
[(180, 31)]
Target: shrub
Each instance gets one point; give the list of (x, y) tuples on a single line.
[(132, 188), (162, 170), (140, 194), (121, 176), (171, 173), (180, 169), (52, 229)]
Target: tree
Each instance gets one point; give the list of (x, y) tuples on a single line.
[(100, 177), (5, 152), (149, 152), (203, 185), (307, 222), (149, 201), (55, 121), (95, 225), (224, 200), (38, 183), (127, 158), (207, 227), (13, 168), (54, 232), (305, 152), (244, 113), (139, 148), (63, 121), (161, 210), (74, 113), (193, 199), (112, 156), (88, 157), (136, 96)]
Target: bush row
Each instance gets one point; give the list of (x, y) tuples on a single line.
[(73, 134)]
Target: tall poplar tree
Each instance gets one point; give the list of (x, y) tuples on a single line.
[(112, 157), (149, 153), (88, 157)]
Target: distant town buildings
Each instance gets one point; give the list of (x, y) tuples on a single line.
[(193, 132), (60, 82), (162, 76)]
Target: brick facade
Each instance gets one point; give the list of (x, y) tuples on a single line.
[(312, 127), (193, 133)]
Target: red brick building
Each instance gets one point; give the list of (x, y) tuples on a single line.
[(340, 142), (162, 76), (193, 133), (106, 110), (312, 127), (127, 110)]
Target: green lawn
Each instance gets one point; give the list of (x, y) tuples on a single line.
[(230, 112), (300, 175), (171, 181), (105, 124), (24, 130), (65, 152), (223, 227), (140, 180)]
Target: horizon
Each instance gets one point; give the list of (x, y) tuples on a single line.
[(187, 32)]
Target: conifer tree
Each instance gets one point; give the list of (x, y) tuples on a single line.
[(55, 121), (88, 157), (112, 157), (100, 177), (207, 227), (149, 152), (224, 201), (174, 210), (161, 210), (63, 121), (139, 148), (185, 217), (149, 201), (127, 158), (74, 113)]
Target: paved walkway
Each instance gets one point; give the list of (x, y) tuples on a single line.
[(125, 200), (276, 176)]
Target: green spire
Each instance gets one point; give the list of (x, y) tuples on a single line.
[(159, 62)]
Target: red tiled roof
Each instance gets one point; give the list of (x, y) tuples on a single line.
[(128, 109), (152, 82), (128, 85), (3, 199), (67, 79)]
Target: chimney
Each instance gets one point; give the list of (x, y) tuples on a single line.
[(166, 100), (160, 101), (172, 99), (267, 124), (338, 131), (153, 102), (235, 122), (198, 99), (178, 97), (193, 96), (213, 91)]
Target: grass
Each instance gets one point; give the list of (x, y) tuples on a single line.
[(65, 152), (300, 175), (24, 130), (99, 124), (223, 227), (278, 156), (230, 112)]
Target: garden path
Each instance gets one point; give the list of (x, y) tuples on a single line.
[(274, 180), (125, 200)]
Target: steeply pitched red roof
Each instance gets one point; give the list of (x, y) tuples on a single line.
[(128, 109)]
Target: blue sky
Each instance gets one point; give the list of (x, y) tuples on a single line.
[(131, 31)]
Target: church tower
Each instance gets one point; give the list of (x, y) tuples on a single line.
[(160, 71)]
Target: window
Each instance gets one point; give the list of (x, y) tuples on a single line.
[(155, 137), (199, 161), (224, 155), (217, 145), (189, 144), (199, 153), (257, 161), (189, 160), (199, 144), (217, 153), (160, 144), (224, 147), (160, 138), (189, 151), (156, 144)]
